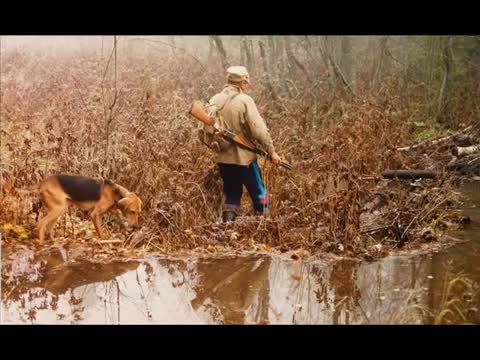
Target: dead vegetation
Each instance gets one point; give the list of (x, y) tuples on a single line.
[(455, 303), (126, 119)]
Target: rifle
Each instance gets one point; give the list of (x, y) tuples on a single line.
[(198, 112)]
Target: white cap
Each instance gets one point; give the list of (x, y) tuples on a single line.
[(237, 74)]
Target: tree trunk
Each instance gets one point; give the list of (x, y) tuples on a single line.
[(289, 55), (346, 59), (268, 78), (172, 45), (323, 48), (211, 46), (243, 51), (280, 67), (339, 80), (315, 57), (293, 62), (279, 56), (248, 53), (379, 71), (444, 115), (221, 50), (252, 52), (271, 51)]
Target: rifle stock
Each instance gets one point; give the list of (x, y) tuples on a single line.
[(199, 113)]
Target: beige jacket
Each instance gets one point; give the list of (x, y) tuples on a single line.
[(240, 115)]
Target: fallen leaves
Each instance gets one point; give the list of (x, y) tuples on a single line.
[(17, 230), (153, 151)]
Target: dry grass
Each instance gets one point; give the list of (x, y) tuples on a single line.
[(456, 302), (62, 116)]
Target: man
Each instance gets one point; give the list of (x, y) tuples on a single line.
[(237, 112)]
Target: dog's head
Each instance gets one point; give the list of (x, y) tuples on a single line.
[(131, 206)]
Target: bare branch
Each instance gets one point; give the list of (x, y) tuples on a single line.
[(169, 45)]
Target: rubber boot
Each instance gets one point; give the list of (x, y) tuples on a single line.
[(229, 215)]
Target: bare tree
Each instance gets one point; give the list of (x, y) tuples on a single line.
[(339, 81), (109, 114), (221, 50), (271, 50), (346, 58), (279, 56), (211, 47), (381, 62), (293, 61), (443, 111), (247, 51), (315, 60), (268, 82), (172, 43), (243, 52)]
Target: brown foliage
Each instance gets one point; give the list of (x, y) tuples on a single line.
[(53, 121)]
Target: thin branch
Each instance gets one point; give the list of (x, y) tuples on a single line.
[(109, 119), (81, 96), (103, 82), (172, 46), (115, 82)]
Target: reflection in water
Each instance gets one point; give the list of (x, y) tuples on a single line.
[(57, 287), (229, 287), (227, 291)]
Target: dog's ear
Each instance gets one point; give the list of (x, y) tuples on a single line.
[(139, 202), (123, 204)]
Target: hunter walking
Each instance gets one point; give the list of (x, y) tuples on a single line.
[(238, 112)]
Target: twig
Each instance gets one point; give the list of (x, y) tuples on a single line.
[(109, 119), (81, 96), (111, 241), (172, 46), (385, 227)]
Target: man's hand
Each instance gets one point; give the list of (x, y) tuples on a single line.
[(276, 159)]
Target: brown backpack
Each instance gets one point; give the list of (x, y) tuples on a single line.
[(209, 136)]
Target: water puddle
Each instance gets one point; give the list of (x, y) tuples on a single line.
[(56, 287)]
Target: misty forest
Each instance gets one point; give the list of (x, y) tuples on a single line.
[(381, 132)]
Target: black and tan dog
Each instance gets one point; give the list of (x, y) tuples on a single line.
[(97, 196)]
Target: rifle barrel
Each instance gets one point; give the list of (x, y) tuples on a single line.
[(198, 112), (231, 137)]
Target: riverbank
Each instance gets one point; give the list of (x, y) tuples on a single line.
[(335, 201)]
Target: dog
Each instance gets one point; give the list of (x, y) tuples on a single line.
[(97, 196)]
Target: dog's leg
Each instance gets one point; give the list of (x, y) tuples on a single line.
[(97, 222), (96, 215), (53, 214), (41, 229), (121, 219), (56, 204), (54, 220), (42, 223)]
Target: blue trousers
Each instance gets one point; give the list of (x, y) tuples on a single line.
[(235, 177)]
